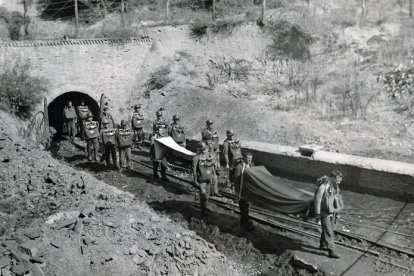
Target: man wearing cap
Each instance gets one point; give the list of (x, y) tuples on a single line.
[(108, 139), (204, 172), (83, 113), (241, 165), (176, 131), (106, 115), (124, 138), (209, 135), (156, 163), (231, 151), (91, 134), (137, 123), (324, 212), (70, 116), (160, 125)]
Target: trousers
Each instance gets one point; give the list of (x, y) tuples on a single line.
[(71, 125), (92, 143), (327, 236), (125, 152), (110, 151), (204, 190)]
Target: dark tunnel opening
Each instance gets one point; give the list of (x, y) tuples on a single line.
[(55, 108)]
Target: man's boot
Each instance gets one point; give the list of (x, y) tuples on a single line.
[(333, 254), (322, 246)]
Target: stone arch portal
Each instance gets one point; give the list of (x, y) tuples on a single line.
[(55, 108)]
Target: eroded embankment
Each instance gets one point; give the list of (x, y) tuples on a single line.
[(59, 221)]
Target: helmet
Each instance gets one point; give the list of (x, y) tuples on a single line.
[(105, 121), (175, 118), (106, 108), (137, 106), (201, 146), (229, 132), (159, 113), (90, 115), (209, 122), (123, 123)]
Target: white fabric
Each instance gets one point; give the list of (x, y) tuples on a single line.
[(164, 144)]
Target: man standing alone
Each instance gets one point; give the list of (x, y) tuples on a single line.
[(69, 113)]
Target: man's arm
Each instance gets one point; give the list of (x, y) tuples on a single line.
[(318, 199), (226, 152)]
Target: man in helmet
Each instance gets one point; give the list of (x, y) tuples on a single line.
[(240, 167), (91, 134), (137, 123), (162, 161), (106, 115), (108, 139), (177, 132), (124, 138), (70, 116), (231, 152), (83, 113), (204, 172), (160, 125), (209, 135)]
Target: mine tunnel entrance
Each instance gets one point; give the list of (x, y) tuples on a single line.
[(55, 108)]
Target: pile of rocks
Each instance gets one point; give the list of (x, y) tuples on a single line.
[(59, 221)]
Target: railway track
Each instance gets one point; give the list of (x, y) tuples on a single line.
[(379, 250)]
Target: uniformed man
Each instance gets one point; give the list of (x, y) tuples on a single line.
[(83, 113), (108, 139), (324, 212), (137, 123), (124, 138), (177, 132), (336, 179), (160, 125), (156, 163), (231, 152), (209, 135), (106, 115), (70, 116), (91, 134), (241, 165), (204, 172)]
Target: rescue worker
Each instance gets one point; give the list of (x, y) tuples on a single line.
[(108, 140), (241, 165), (160, 125), (83, 113), (163, 161), (177, 132), (204, 172), (106, 115), (91, 135), (137, 123), (70, 116), (231, 152), (125, 139), (324, 212), (210, 136)]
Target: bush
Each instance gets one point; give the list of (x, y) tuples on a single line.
[(157, 80), (13, 21), (289, 40), (20, 92)]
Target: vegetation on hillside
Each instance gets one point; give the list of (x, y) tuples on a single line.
[(19, 91)]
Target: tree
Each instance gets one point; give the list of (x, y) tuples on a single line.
[(411, 8), (364, 8), (214, 10), (26, 18), (167, 10)]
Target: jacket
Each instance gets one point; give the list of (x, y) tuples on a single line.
[(324, 200), (204, 167), (231, 150)]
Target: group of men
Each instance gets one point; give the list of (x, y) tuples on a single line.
[(206, 166)]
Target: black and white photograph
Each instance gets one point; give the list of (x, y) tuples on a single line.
[(206, 137)]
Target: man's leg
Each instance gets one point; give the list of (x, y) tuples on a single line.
[(214, 186), (328, 235), (203, 197), (95, 148), (121, 157), (128, 157), (89, 149), (113, 155)]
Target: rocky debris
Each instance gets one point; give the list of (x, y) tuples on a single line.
[(62, 221)]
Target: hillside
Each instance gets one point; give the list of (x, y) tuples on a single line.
[(310, 75)]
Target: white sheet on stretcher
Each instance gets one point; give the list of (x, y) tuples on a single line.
[(165, 144)]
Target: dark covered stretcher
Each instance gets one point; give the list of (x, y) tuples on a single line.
[(276, 194)]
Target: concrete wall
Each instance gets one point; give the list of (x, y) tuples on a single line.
[(365, 175), (91, 66)]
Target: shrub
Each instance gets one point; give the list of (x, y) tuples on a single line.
[(198, 30), (157, 80), (289, 40), (13, 21), (19, 91)]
